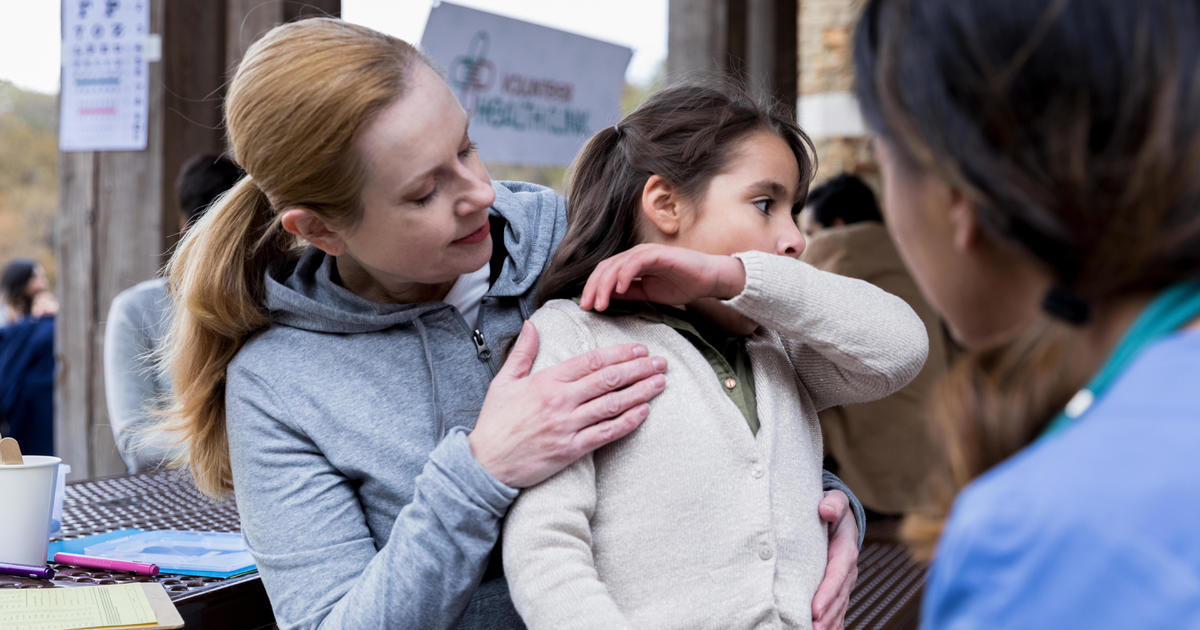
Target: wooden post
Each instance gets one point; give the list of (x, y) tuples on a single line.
[(118, 212), (750, 41)]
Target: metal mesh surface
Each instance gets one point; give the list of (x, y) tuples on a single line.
[(160, 500)]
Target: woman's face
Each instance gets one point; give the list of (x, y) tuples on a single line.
[(37, 282), (986, 292), (748, 206), (425, 198)]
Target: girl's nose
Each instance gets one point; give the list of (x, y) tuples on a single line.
[(791, 242)]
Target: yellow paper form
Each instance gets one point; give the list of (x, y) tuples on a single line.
[(69, 608)]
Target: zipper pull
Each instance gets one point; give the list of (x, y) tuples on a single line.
[(481, 349)]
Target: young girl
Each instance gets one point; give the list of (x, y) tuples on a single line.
[(707, 515)]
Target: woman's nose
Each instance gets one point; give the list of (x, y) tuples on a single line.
[(479, 194)]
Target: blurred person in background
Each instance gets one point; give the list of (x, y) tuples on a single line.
[(138, 320), (1039, 165), (27, 357), (882, 449)]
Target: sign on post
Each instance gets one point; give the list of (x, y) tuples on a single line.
[(104, 66), (535, 94)]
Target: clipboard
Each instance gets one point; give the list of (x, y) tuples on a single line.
[(165, 613), (40, 612)]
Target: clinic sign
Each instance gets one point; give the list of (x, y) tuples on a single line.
[(535, 94)]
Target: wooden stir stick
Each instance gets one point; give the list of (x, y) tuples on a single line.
[(10, 452)]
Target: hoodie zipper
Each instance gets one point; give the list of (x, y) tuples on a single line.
[(481, 350)]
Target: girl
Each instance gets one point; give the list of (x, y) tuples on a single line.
[(707, 516), (1040, 166), (333, 340)]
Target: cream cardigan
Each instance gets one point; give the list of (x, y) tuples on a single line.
[(692, 521)]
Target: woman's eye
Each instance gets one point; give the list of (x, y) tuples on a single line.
[(426, 199), (764, 205), (471, 146)]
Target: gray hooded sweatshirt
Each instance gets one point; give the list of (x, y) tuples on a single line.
[(347, 421)]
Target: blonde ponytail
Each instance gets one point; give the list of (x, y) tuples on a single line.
[(293, 112), (216, 276)]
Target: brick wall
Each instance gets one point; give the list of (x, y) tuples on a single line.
[(825, 29)]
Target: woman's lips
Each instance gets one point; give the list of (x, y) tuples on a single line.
[(474, 237)]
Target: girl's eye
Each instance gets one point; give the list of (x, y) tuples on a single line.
[(764, 205), (471, 146)]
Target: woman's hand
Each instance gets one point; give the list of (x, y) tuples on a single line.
[(534, 425), (663, 274), (841, 567), (44, 303)]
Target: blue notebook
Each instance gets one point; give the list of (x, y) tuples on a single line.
[(204, 554)]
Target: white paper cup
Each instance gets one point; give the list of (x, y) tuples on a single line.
[(26, 494)]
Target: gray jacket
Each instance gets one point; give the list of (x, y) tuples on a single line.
[(134, 386), (347, 423)]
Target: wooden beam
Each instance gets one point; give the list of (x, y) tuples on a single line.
[(750, 41), (118, 211)]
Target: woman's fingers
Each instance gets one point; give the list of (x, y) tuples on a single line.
[(643, 385), (601, 433), (578, 367), (841, 569), (524, 351)]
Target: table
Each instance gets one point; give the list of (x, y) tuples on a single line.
[(886, 597), (159, 500), (888, 593)]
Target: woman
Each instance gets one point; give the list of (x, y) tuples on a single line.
[(370, 470), (1040, 168), (27, 357)]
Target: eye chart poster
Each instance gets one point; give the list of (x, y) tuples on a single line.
[(104, 75)]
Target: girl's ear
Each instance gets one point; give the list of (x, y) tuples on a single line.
[(313, 229), (662, 205)]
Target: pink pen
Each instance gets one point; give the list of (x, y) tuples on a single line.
[(92, 562)]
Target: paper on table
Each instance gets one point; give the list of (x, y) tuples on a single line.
[(66, 608)]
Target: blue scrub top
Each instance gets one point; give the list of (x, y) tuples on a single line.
[(1095, 527)]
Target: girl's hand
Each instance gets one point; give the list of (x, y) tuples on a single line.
[(532, 426), (663, 274)]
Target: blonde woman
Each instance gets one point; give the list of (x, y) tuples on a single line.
[(339, 388)]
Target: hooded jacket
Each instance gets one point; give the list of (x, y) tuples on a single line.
[(347, 419)]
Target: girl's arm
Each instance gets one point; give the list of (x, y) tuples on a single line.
[(547, 539), (849, 341)]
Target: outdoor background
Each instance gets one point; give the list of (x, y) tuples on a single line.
[(29, 84)]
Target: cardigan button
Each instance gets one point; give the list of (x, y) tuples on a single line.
[(757, 472), (765, 553), (730, 383)]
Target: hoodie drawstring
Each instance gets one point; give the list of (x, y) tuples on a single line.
[(440, 423)]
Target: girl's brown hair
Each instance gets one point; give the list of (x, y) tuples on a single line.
[(1074, 128), (685, 134), (294, 110)]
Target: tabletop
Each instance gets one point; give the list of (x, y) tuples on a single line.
[(887, 595), (159, 500)]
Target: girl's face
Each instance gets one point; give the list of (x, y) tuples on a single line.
[(425, 198), (748, 206)]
